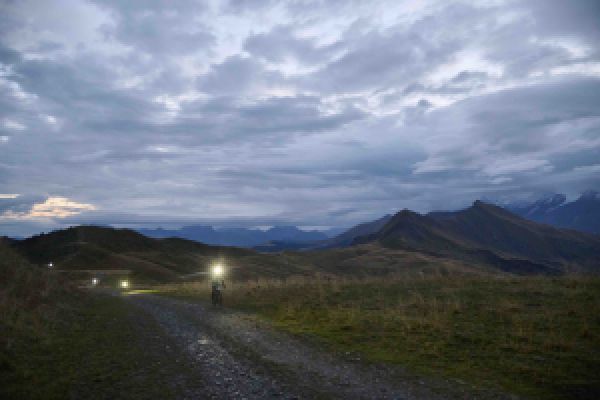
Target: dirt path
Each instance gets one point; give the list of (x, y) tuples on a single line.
[(240, 358)]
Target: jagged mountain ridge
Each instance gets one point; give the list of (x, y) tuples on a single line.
[(491, 235), (582, 214)]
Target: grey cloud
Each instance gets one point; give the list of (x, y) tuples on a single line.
[(19, 204), (300, 114), (227, 119), (181, 112), (281, 43), (566, 18), (245, 6), (158, 27), (375, 58), (528, 128), (79, 96), (469, 76), (238, 75), (370, 67), (9, 56)]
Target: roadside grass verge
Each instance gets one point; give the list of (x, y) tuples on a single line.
[(58, 343), (536, 336), (92, 353)]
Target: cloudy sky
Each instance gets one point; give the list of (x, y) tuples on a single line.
[(315, 113)]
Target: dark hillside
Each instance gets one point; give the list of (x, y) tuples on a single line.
[(347, 238), (92, 247), (163, 260), (493, 236)]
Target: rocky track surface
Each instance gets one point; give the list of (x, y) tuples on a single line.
[(238, 357)]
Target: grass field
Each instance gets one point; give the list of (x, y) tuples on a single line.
[(59, 343), (538, 337), (91, 353)]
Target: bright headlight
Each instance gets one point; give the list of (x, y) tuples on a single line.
[(124, 284), (94, 281), (217, 270)]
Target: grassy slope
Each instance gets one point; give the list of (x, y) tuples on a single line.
[(539, 337), (163, 260), (92, 353), (92, 247), (57, 343)]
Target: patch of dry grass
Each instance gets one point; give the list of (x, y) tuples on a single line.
[(57, 342), (29, 296)]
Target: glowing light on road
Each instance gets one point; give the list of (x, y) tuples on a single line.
[(94, 281), (124, 284)]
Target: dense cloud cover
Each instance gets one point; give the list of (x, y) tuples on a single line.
[(314, 113)]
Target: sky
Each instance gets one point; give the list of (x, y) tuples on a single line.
[(313, 113)]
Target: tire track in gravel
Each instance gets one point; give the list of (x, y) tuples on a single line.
[(240, 358)]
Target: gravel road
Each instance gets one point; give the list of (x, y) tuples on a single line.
[(238, 357)]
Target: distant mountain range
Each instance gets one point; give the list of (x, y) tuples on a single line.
[(240, 237), (483, 237), (343, 239), (582, 214)]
